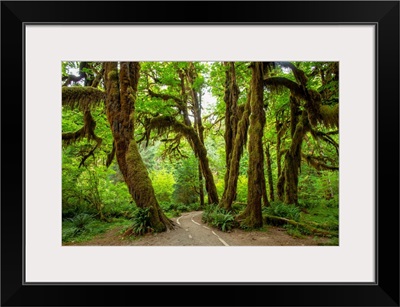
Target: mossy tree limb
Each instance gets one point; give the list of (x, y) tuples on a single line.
[(87, 131), (82, 97), (164, 123)]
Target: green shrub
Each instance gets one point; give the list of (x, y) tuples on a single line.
[(297, 232), (81, 221), (123, 209), (141, 221), (218, 217), (238, 207), (194, 207), (279, 209), (183, 208)]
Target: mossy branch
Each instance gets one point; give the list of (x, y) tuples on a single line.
[(318, 163), (299, 75), (111, 155), (330, 115), (87, 131), (82, 97), (165, 97), (325, 137), (280, 83), (279, 221)]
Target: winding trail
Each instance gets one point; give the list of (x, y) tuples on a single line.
[(191, 231), (197, 232)]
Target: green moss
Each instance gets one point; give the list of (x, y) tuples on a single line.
[(82, 97), (330, 115), (113, 75)]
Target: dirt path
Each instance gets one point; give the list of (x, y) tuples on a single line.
[(191, 231)]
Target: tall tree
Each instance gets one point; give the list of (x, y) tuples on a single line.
[(252, 216), (231, 96), (121, 89)]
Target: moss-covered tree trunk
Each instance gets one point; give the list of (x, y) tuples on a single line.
[(201, 153), (252, 216), (290, 173), (269, 174), (201, 187), (198, 124), (231, 97), (265, 200), (240, 140), (280, 132), (121, 88)]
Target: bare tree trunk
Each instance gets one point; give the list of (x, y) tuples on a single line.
[(121, 88)]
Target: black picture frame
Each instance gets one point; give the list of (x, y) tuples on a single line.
[(383, 14)]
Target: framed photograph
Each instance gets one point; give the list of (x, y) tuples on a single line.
[(127, 84)]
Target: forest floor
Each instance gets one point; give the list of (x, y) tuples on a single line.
[(191, 231)]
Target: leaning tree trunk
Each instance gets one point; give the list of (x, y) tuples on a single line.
[(252, 216), (121, 91)]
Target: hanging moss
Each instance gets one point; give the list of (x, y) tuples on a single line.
[(82, 97), (330, 115), (163, 124), (294, 114), (319, 163), (313, 104), (317, 113), (110, 156), (279, 84), (87, 131)]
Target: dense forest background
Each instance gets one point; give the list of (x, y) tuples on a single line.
[(250, 144)]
